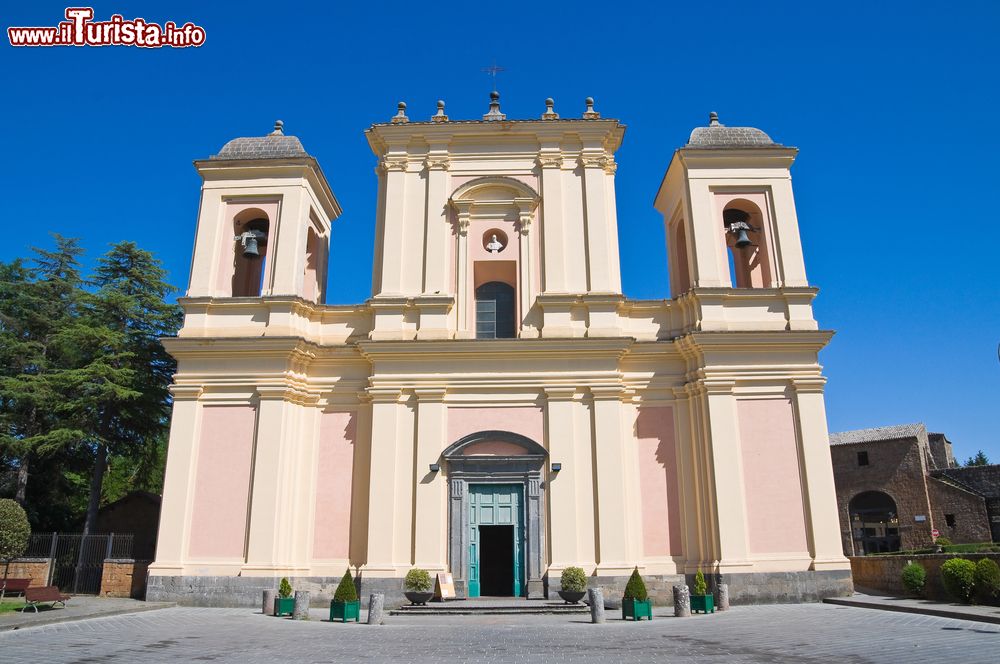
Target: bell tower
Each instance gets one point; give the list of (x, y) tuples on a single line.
[(730, 220), (263, 222)]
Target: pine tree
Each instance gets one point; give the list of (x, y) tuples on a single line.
[(346, 592), (636, 587), (36, 305), (980, 459)]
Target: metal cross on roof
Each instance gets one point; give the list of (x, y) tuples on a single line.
[(493, 70)]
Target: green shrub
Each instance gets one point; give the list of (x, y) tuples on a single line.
[(14, 530), (573, 580), (700, 587), (346, 592), (943, 541), (958, 576), (285, 588), (987, 579), (418, 581), (636, 587), (914, 578)]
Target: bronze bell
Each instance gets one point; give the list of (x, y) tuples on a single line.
[(742, 239), (250, 249)]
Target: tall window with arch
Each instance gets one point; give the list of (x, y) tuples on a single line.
[(251, 234), (746, 241), (495, 311)]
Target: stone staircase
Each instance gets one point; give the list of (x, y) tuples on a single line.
[(492, 606)]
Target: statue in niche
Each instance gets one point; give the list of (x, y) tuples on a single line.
[(494, 246)]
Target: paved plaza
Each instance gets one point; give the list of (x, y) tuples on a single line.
[(778, 634)]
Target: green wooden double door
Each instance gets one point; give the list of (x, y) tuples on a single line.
[(496, 539)]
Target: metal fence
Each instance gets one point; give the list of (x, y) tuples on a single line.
[(76, 561)]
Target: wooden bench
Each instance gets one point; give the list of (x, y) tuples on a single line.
[(15, 586), (38, 595)]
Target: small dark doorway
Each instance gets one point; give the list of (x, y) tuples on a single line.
[(496, 560)]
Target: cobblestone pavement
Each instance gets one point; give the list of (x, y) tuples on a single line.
[(780, 634)]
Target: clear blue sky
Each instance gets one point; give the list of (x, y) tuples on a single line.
[(893, 106)]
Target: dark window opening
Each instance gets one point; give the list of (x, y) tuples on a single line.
[(862, 458), (949, 520), (495, 311)]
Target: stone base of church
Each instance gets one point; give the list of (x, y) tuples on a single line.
[(744, 588)]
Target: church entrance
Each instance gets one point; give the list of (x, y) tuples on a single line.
[(496, 540)]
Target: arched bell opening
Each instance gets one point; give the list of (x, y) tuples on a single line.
[(746, 242), (495, 483), (251, 230)]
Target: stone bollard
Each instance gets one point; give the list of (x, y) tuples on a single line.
[(376, 608), (722, 594), (596, 597), (682, 602), (268, 606), (301, 610)]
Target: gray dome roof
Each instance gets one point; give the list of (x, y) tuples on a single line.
[(273, 146), (718, 135)]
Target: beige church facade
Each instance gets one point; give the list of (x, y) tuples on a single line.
[(498, 409)]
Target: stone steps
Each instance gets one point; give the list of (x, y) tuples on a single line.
[(480, 608)]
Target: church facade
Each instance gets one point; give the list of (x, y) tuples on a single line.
[(498, 409)]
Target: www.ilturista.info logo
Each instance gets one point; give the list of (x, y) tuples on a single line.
[(81, 30)]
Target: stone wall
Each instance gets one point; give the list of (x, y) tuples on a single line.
[(882, 574), (36, 569), (984, 480), (967, 510), (896, 468), (124, 578)]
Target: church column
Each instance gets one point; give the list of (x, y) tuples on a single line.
[(724, 464), (271, 490), (533, 496), (819, 492), (178, 483), (526, 288), (554, 260), (393, 236), (562, 485), (431, 505), (464, 329), (602, 246), (438, 232), (612, 507), (382, 485)]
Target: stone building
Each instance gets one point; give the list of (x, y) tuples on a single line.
[(498, 409), (897, 484)]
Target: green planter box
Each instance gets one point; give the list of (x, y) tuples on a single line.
[(703, 603), (636, 610), (344, 611), (283, 606)]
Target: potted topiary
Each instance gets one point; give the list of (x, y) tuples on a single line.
[(417, 586), (636, 602), (345, 605), (701, 599), (572, 585), (284, 603)]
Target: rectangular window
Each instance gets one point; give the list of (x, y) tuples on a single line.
[(949, 520), (862, 458)]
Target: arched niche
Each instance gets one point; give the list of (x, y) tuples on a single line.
[(750, 265)]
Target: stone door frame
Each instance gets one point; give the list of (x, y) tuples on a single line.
[(525, 469)]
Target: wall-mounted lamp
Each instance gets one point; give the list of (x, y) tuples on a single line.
[(435, 467), (556, 467)]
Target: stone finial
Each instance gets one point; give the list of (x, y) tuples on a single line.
[(549, 113), (713, 120), (590, 113), (278, 128), (400, 116), (440, 116), (494, 112)]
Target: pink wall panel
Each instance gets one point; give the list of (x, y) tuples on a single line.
[(773, 485), (222, 482), (337, 435), (661, 531), (526, 421)]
